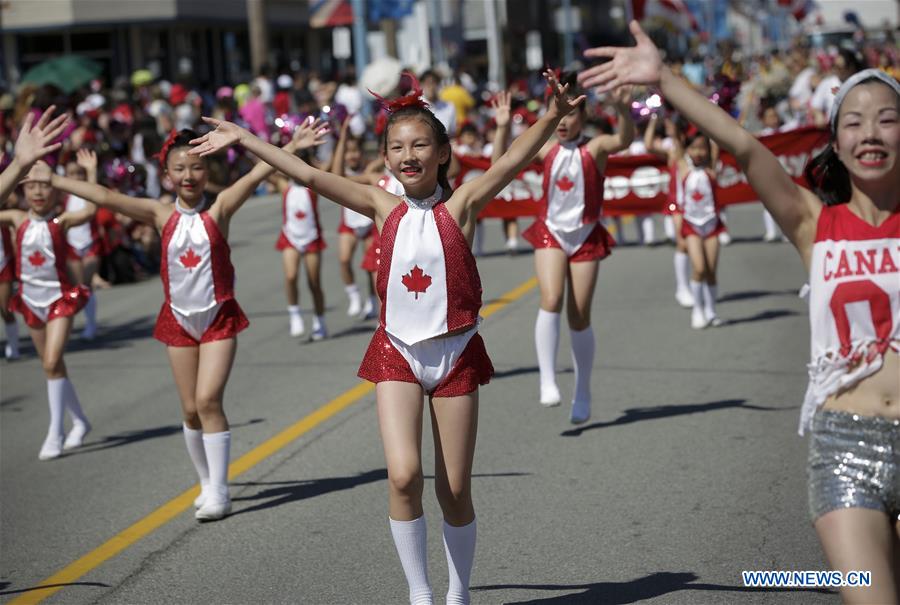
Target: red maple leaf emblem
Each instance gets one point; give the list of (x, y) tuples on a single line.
[(564, 183), (189, 259), (300, 214), (416, 281), (37, 259), (697, 195)]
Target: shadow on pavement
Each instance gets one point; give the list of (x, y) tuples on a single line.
[(668, 411), (114, 336), (525, 370), (44, 586), (130, 437), (752, 294), (761, 316), (634, 591)]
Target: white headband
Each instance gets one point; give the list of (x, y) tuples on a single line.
[(865, 75)]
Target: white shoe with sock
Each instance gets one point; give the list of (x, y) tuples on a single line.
[(56, 398), (583, 346), (216, 501), (682, 277), (368, 310), (698, 317), (709, 307), (297, 327), (355, 301), (320, 331), (459, 546), (546, 342), (80, 425), (193, 439), (12, 340), (411, 541)]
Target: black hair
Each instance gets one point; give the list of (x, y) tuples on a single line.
[(468, 127), (571, 78), (829, 177), (437, 128)]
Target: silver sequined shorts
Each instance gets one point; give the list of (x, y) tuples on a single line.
[(854, 461)]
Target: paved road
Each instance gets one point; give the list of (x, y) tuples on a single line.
[(689, 471)]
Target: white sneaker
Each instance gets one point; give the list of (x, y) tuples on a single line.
[(550, 396), (714, 322), (368, 310), (512, 245), (724, 238), (76, 436), (52, 448), (355, 307), (581, 412), (297, 327), (215, 506), (771, 237), (199, 500), (684, 298), (12, 351), (320, 333), (698, 320)]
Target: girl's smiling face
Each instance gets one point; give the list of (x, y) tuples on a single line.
[(41, 197), (414, 156), (867, 140), (188, 174)]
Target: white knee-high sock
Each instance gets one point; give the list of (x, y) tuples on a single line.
[(546, 341), (697, 291), (72, 403), (459, 545), (410, 538), (90, 313), (193, 439), (669, 227), (682, 270), (12, 338), (217, 446), (709, 302), (583, 359), (770, 225), (648, 230), (56, 396)]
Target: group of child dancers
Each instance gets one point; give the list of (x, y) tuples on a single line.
[(418, 232)]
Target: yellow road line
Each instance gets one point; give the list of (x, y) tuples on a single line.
[(182, 502)]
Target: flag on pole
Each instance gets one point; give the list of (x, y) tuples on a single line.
[(675, 12), (330, 13)]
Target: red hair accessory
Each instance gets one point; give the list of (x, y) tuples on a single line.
[(164, 150), (691, 131), (412, 99)]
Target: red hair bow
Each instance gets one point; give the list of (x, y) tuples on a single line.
[(412, 99), (164, 150)]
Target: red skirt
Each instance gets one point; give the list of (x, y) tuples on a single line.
[(228, 322), (317, 245), (71, 302), (597, 246), (716, 227)]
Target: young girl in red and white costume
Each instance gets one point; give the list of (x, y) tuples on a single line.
[(84, 240), (200, 318), (848, 234), (700, 222), (46, 299), (355, 228), (569, 243), (427, 343), (301, 237)]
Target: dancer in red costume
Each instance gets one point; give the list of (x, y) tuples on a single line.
[(427, 343), (84, 241)]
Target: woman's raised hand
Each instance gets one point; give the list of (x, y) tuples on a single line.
[(311, 132), (36, 140), (640, 64), (501, 104), (225, 135)]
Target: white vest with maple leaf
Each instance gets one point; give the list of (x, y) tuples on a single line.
[(698, 201), (196, 266), (431, 286), (300, 216), (573, 188), (80, 236), (41, 260)]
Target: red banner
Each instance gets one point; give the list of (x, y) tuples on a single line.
[(640, 184)]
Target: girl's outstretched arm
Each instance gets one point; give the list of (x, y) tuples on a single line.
[(34, 142), (606, 144), (307, 135), (362, 198), (795, 208), (502, 104), (475, 194)]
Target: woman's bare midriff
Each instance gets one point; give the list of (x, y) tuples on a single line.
[(877, 395)]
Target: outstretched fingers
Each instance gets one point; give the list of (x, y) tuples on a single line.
[(603, 76), (55, 128)]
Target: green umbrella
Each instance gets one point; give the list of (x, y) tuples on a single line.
[(67, 73)]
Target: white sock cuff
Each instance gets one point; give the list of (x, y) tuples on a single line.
[(223, 437), (351, 289), (197, 433), (294, 309), (588, 331), (548, 315)]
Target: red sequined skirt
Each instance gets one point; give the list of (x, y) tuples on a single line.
[(317, 245), (227, 323), (597, 246), (71, 302), (711, 228)]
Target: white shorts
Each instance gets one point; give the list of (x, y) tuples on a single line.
[(432, 360), (196, 324)]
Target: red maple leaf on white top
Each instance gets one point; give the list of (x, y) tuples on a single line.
[(565, 184), (416, 281), (37, 259), (300, 214), (697, 195), (189, 259)]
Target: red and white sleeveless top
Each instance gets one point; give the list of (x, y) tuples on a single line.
[(196, 268), (854, 311), (82, 236), (6, 249), (573, 188), (41, 261), (300, 216), (352, 219), (697, 197), (389, 183), (431, 285)]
